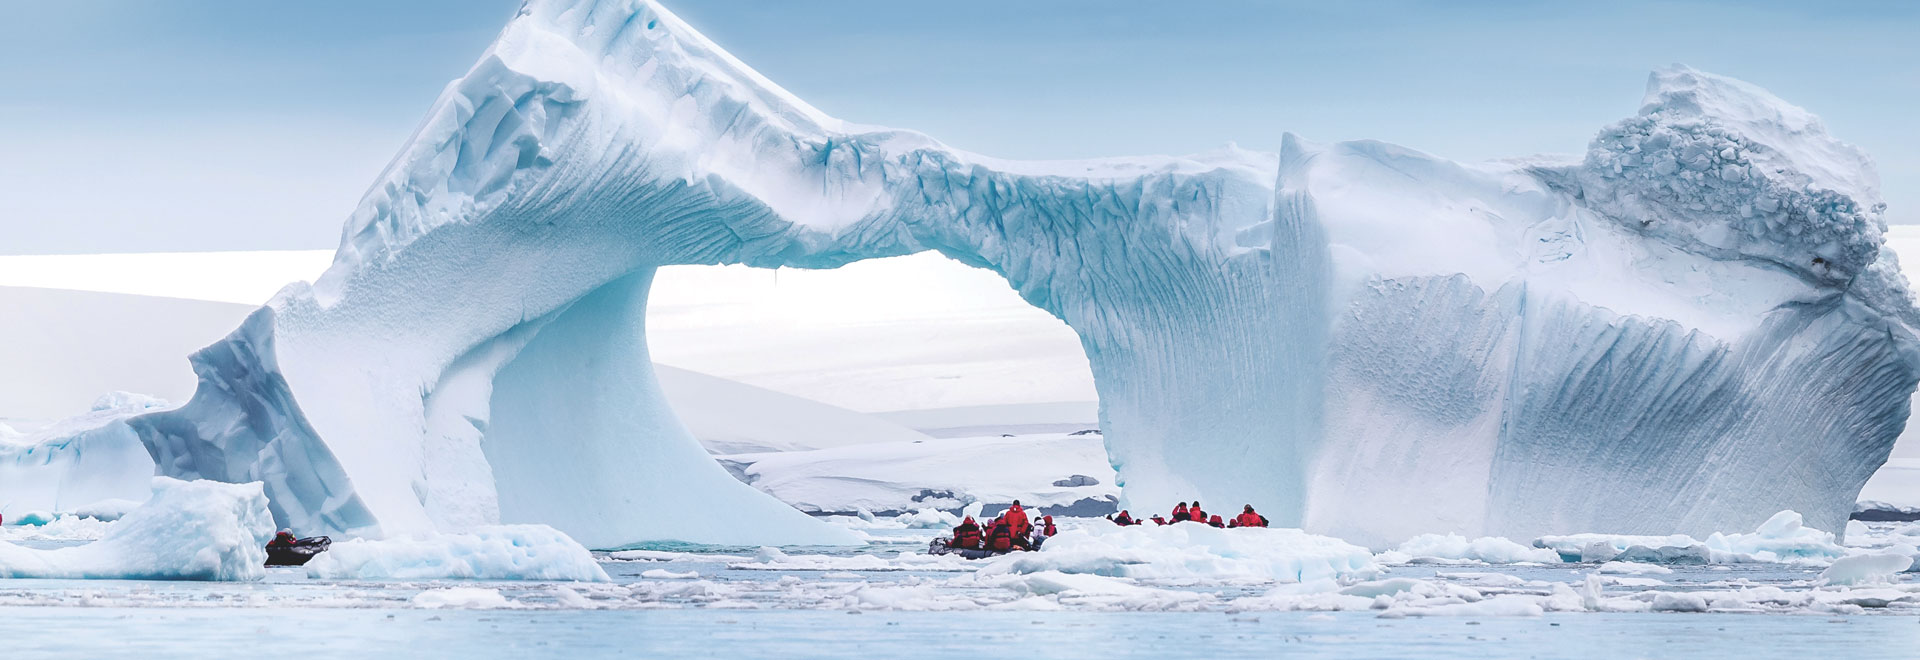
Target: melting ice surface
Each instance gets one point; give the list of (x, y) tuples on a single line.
[(1688, 328)]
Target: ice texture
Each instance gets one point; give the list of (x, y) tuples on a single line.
[(506, 552), (1689, 328), (188, 530)]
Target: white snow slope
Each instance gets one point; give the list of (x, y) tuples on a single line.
[(1691, 328)]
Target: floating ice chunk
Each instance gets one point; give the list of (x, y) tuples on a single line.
[(1631, 568), (664, 574), (188, 530), (1783, 538), (1106, 593), (1454, 547), (1189, 550), (1671, 601), (1866, 569), (506, 552), (928, 519), (470, 598)]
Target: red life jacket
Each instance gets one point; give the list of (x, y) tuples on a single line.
[(967, 535), (1000, 538), (1249, 519), (1197, 515), (1050, 529)]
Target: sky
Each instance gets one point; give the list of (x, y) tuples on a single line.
[(193, 125)]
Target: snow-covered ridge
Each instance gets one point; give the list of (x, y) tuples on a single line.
[(1361, 338)]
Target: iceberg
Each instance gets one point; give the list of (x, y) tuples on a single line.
[(81, 463), (188, 530), (1689, 327)]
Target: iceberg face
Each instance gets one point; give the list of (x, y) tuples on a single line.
[(188, 530), (1688, 329)]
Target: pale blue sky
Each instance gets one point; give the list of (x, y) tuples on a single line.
[(211, 125)]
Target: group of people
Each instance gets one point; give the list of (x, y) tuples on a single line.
[(1011, 530), (1184, 512)]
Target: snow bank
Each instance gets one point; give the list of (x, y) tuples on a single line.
[(188, 530), (1438, 548), (507, 552), (1190, 550)]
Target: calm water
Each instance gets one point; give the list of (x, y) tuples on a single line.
[(237, 633)]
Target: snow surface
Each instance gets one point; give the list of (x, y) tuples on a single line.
[(507, 552), (188, 530), (1356, 337)]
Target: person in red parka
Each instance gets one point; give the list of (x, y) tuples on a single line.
[(1180, 512), (967, 535), (1125, 519), (1000, 536), (1216, 521), (1157, 520), (1017, 517), (1248, 518), (1198, 515)]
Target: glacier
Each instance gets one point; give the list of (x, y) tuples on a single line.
[(1690, 327)]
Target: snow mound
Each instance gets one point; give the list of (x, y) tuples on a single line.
[(506, 552), (1432, 548), (188, 530), (1192, 551), (1358, 338)]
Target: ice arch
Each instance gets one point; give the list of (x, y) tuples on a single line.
[(1359, 337)]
